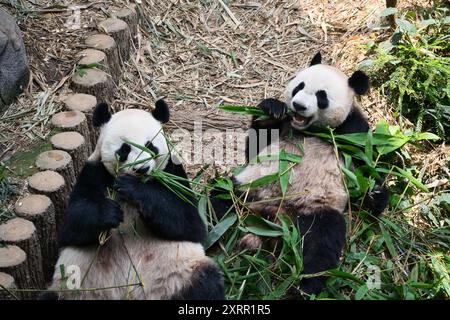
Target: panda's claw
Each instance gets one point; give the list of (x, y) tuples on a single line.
[(274, 108)]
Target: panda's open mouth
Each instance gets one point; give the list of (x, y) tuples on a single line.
[(301, 121)]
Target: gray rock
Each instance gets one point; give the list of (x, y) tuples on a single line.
[(14, 71)]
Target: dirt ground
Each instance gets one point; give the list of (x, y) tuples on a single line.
[(197, 54)]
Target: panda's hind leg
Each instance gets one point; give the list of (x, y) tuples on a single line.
[(323, 232)]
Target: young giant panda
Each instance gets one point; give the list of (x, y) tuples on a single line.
[(154, 236), (316, 197)]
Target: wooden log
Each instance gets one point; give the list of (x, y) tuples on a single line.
[(75, 121), (22, 233), (14, 261), (95, 82), (119, 30), (108, 45), (51, 184), (130, 16), (59, 161), (40, 210), (90, 57), (8, 287), (86, 104), (73, 143)]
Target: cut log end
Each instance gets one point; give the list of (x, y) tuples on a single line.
[(113, 25), (46, 182), (92, 56), (11, 256), (7, 285), (6, 281), (32, 205), (57, 160), (100, 42), (67, 141), (16, 230), (91, 78), (119, 30), (95, 82), (68, 119), (80, 102)]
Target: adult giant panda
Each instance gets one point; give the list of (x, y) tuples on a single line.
[(316, 197), (154, 236)]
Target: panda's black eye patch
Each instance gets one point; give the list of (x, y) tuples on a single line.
[(300, 86), (149, 145), (322, 99), (123, 152)]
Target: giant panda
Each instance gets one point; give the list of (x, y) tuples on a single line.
[(316, 198), (153, 236)]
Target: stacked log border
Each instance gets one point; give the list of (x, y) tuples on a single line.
[(27, 260)]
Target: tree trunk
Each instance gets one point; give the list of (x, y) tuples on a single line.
[(119, 30), (108, 45), (59, 161), (13, 261), (51, 184), (22, 233), (73, 143), (75, 121), (95, 82), (40, 210), (86, 104), (7, 287)]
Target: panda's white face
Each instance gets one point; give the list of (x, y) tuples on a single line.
[(320, 95), (138, 127)]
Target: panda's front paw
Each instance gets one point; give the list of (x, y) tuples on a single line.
[(377, 199), (112, 215), (274, 108), (128, 187)]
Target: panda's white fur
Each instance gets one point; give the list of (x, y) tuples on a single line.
[(316, 197), (137, 126), (316, 181), (131, 254), (321, 77), (164, 267), (313, 183)]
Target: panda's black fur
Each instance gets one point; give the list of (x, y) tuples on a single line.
[(151, 229), (320, 222)]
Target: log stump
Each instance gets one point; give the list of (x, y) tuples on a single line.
[(108, 45), (94, 57), (75, 121), (95, 82), (22, 233), (40, 210), (14, 261), (59, 161), (119, 30), (7, 287), (86, 104), (130, 16), (73, 143), (51, 184)]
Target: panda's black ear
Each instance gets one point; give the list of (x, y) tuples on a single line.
[(161, 112), (317, 59), (359, 82), (101, 115)]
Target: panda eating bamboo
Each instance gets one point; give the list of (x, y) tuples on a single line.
[(316, 197), (129, 238)]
